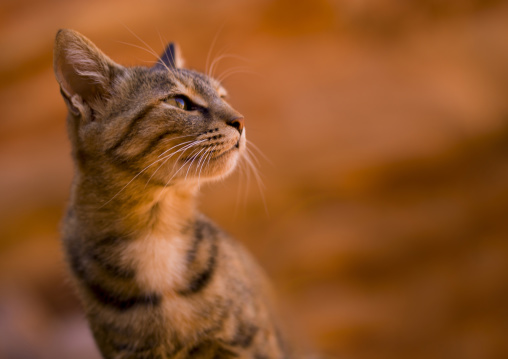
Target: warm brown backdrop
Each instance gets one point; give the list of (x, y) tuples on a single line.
[(386, 124)]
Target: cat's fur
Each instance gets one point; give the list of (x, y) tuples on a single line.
[(157, 279)]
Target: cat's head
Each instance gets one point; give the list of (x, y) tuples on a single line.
[(164, 122)]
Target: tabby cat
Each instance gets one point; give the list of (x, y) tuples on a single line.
[(157, 279)]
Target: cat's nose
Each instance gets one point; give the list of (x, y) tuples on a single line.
[(236, 122)]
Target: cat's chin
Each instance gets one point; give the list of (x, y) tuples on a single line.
[(221, 166)]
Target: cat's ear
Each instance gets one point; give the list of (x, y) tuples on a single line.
[(171, 57), (84, 73)]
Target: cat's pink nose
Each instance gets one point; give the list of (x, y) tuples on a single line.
[(237, 123)]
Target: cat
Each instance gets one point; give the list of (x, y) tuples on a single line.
[(156, 278)]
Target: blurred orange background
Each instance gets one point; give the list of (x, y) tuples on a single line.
[(385, 123)]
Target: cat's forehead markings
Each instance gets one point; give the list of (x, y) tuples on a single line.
[(221, 91), (212, 86), (186, 86), (180, 87), (196, 97)]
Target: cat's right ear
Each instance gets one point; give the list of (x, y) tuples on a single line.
[(85, 73), (171, 58)]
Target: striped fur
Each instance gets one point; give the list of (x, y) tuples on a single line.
[(157, 279)]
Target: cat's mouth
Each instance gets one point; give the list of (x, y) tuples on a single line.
[(214, 155)]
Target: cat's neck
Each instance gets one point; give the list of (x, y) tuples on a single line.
[(131, 209)]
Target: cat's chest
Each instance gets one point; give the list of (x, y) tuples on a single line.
[(158, 261)]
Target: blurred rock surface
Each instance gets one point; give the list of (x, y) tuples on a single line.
[(386, 124)]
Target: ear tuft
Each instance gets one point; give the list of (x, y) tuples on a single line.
[(171, 57), (81, 68)]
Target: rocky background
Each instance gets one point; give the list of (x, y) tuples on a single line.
[(383, 214)]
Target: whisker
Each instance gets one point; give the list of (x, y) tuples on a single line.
[(193, 159), (208, 156), (164, 44), (234, 68), (224, 56), (137, 47), (133, 178), (151, 62), (178, 159), (259, 181), (169, 180), (255, 170), (252, 155), (211, 154), (170, 155), (175, 138), (207, 72), (147, 167), (151, 52), (241, 175), (200, 167), (148, 48), (201, 160), (253, 145), (219, 53), (208, 161), (247, 170), (234, 71)]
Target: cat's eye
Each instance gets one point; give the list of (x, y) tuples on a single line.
[(179, 102)]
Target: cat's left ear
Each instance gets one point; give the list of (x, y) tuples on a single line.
[(171, 57), (84, 72)]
